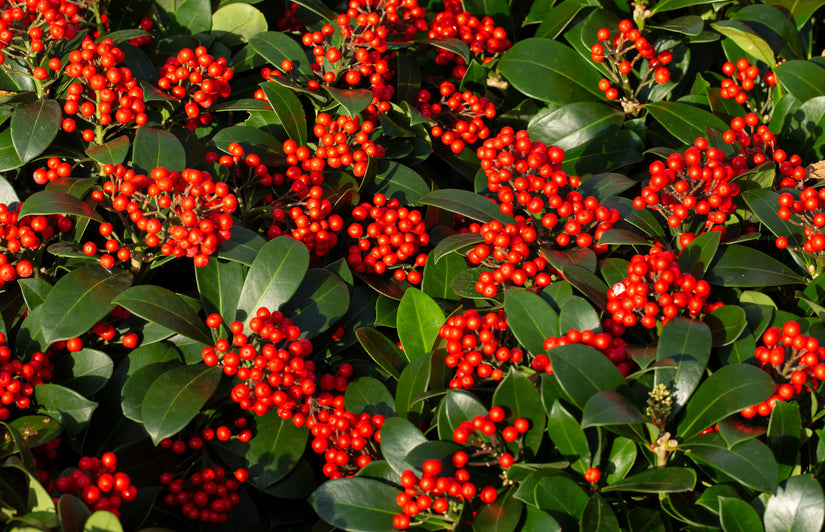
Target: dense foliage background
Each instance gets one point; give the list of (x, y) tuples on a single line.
[(489, 265)]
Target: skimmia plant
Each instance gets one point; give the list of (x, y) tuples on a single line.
[(488, 265)]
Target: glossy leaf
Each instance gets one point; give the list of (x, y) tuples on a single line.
[(321, 300), (688, 344), (531, 319), (588, 284), (275, 450), (803, 79), (9, 159), (275, 47), (739, 266), (194, 16), (764, 204), (160, 305), (413, 381), (68, 407), (453, 45), (521, 399), (549, 71), (582, 372), (439, 274), (34, 291), (728, 390), (578, 314), (368, 395), (502, 515), (797, 506), (358, 504), (288, 109), (726, 324), (611, 151), (237, 23), (784, 435), (455, 407), (176, 397), (419, 319), (398, 438), (737, 515), (622, 456), (610, 408), (395, 180), (750, 463), (102, 520), (746, 39), (568, 437), (456, 242), (352, 101), (155, 148), (275, 275), (563, 499), (34, 126), (137, 384), (219, 286), (243, 246), (683, 121), (598, 515), (382, 350), (112, 152), (697, 256), (661, 480), (85, 371), (574, 124), (465, 203), (57, 202), (78, 300)]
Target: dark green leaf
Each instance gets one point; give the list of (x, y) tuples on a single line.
[(623, 237), (194, 16), (465, 203), (352, 101), (237, 23), (502, 515), (275, 450), (34, 291), (521, 399), (574, 124), (34, 126), (413, 381), (691, 25), (453, 45), (358, 504), (641, 219), (160, 305), (395, 180), (683, 121), (85, 371), (610, 408), (251, 139), (611, 151), (728, 390), (419, 318), (79, 300), (219, 286), (369, 395), (289, 110), (622, 456), (561, 498), (739, 265), (764, 204), (112, 152), (568, 437), (797, 506), (803, 79), (557, 20), (176, 397), (688, 344), (137, 384), (587, 283), (455, 407), (746, 39), (578, 314), (531, 319), (68, 407), (382, 350), (409, 78), (549, 71), (670, 5), (602, 186), (155, 148), (750, 463), (583, 257), (784, 434), (662, 480), (726, 324), (582, 372), (36, 429), (696, 257), (56, 202), (243, 246), (8, 156), (456, 242), (598, 516), (275, 275), (737, 515), (321, 300), (319, 8), (439, 274), (398, 438)]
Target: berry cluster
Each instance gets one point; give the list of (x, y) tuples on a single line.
[(742, 78), (458, 116), (146, 24), (655, 290), (20, 234), (476, 347), (608, 343), (793, 358), (617, 49), (180, 445), (756, 145), (206, 496), (347, 441), (18, 379), (808, 212), (271, 363), (198, 79), (392, 238), (484, 38), (185, 213), (104, 94), (98, 483), (342, 142)]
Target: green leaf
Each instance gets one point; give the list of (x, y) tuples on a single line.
[(582, 372), (661, 480), (275, 46), (803, 79), (726, 324), (419, 318), (688, 344), (583, 257), (439, 274), (455, 407), (746, 39), (587, 283), (174, 398), (352, 101), (56, 202), (574, 124), (219, 286), (288, 109), (466, 203), (739, 265), (456, 242), (671, 5), (102, 521), (194, 16), (34, 126), (160, 305), (602, 186), (521, 399), (563, 499), (36, 430), (382, 350), (622, 456), (453, 45), (578, 314), (112, 152), (155, 148), (275, 450), (549, 71), (34, 291), (78, 300), (275, 275), (531, 319), (137, 384), (502, 515), (728, 390), (568, 437), (556, 20), (696, 257), (68, 407), (764, 204), (395, 180), (797, 506), (775, 27), (750, 463), (737, 515), (368, 395), (611, 151), (610, 408), (801, 10), (237, 23), (243, 246), (690, 25), (413, 381), (358, 504), (9, 159), (321, 300), (398, 438), (683, 121), (598, 515), (784, 435), (85, 371)]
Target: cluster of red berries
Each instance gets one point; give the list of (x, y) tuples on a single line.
[(617, 49), (347, 441), (742, 78), (289, 21), (808, 212), (508, 254), (271, 363), (185, 213), (476, 347), (756, 145), (98, 483), (655, 290), (206, 496), (37, 26), (146, 24), (18, 379), (458, 115), (198, 79), (20, 234), (105, 94), (106, 332), (44, 455), (696, 184), (307, 220), (55, 169), (614, 347), (483, 37), (343, 141), (180, 445), (793, 359), (389, 236)]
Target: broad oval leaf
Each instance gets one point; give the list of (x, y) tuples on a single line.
[(238, 22), (160, 305), (368, 395), (419, 319), (574, 124), (598, 515), (582, 372), (398, 438), (288, 109), (610, 408), (275, 450), (661, 480), (797, 506), (746, 39), (112, 152), (275, 46), (413, 381), (352, 101), (683, 121), (382, 350), (561, 498), (803, 79), (568, 437), (750, 463), (697, 256), (321, 300), (137, 384), (739, 266), (531, 319), (71, 409), (176, 397), (466, 203), (501, 515), (57, 202), (155, 148), (85, 371), (34, 126), (688, 344), (726, 324), (358, 504), (455, 407), (521, 399)]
